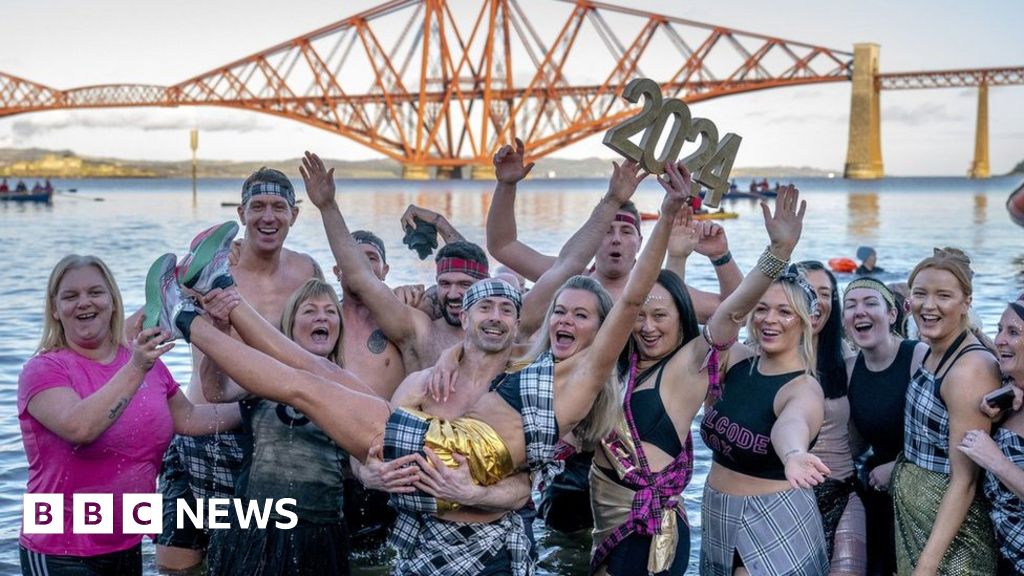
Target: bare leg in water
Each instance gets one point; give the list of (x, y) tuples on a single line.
[(354, 420)]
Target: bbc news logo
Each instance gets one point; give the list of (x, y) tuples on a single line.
[(143, 513)]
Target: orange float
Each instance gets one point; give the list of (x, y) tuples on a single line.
[(842, 265)]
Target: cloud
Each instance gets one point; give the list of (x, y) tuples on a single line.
[(800, 119), (924, 113), (206, 121)]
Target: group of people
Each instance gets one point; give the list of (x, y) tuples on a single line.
[(22, 188), (433, 416)]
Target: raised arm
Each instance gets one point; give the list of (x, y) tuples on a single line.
[(80, 420), (714, 244), (445, 229), (580, 378), (502, 236), (401, 324), (579, 250), (783, 227)]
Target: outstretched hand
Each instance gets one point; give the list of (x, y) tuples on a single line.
[(509, 165), (148, 345), (805, 470), (713, 242), (785, 225), (677, 184), (624, 180), (318, 179), (686, 233)]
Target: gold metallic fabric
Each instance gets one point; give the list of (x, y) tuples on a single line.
[(488, 458), (917, 494)]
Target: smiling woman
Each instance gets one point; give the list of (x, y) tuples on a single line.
[(941, 525), (89, 405)]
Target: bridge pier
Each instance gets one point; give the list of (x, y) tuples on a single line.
[(482, 172), (864, 150), (979, 167), (448, 173), (415, 172)]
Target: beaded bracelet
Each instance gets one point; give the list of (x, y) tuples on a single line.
[(723, 260), (771, 265)]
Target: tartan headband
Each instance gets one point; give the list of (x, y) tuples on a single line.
[(491, 288), (872, 284), (269, 188), (453, 264)]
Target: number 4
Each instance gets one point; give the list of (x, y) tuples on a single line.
[(715, 174)]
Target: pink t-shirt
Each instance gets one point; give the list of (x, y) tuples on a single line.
[(123, 459)]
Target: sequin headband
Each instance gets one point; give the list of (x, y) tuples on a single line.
[(794, 275), (452, 264), (491, 288), (872, 284), (269, 188)]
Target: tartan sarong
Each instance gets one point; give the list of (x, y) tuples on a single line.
[(536, 388), (464, 548), (916, 495), (773, 534)]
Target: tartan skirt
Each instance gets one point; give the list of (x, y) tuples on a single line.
[(778, 533)]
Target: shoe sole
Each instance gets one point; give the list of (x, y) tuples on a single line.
[(206, 250), (163, 266)]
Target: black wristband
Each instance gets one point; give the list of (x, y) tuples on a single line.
[(725, 259)]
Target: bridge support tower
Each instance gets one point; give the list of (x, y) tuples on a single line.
[(979, 167), (864, 151), (415, 172), (482, 171)]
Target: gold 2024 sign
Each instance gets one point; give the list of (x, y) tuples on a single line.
[(710, 164)]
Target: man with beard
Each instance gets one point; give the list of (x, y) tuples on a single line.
[(266, 274), (419, 338)]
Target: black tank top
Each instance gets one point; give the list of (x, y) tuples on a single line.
[(878, 400), (506, 385), (738, 428), (653, 423)]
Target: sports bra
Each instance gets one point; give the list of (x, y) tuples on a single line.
[(738, 428)]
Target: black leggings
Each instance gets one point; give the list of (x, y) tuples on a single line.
[(125, 563)]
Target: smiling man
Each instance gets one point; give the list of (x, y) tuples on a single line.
[(266, 274)]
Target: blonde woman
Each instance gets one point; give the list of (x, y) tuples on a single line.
[(942, 523), (96, 415)]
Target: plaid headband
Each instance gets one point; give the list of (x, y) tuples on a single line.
[(1018, 309), (491, 288), (370, 241), (628, 218), (269, 188), (453, 264), (872, 284), (794, 276)]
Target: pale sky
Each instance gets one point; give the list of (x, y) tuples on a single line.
[(68, 43)]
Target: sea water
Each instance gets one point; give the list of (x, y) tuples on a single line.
[(128, 223)]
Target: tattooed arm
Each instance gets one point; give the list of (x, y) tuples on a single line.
[(80, 420)]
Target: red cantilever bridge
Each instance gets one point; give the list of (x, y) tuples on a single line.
[(443, 83)]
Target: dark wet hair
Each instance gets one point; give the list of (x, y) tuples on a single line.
[(831, 366), (464, 250), (367, 237)]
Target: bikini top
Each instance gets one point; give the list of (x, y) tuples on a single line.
[(652, 421)]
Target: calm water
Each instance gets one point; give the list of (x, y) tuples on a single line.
[(141, 219)]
